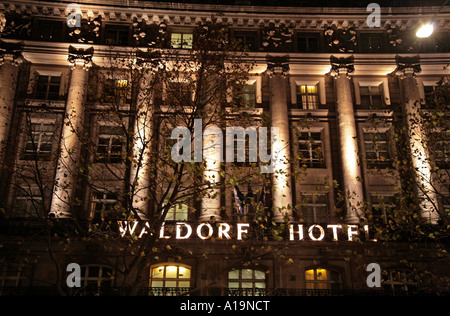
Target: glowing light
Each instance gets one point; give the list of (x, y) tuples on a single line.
[(425, 30)]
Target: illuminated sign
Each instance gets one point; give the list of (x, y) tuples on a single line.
[(205, 231)]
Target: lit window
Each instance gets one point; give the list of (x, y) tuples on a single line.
[(115, 90), (371, 96), (310, 150), (47, 87), (377, 151), (314, 207), (39, 141), (181, 40), (307, 97), (246, 282), (109, 147), (170, 279), (322, 279), (178, 212)]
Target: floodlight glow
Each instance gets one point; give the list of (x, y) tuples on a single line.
[(425, 30)]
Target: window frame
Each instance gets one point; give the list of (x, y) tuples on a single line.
[(252, 290), (47, 86), (104, 201), (328, 283), (111, 157), (36, 152), (310, 161), (165, 290), (183, 44), (315, 206), (307, 37), (378, 162)]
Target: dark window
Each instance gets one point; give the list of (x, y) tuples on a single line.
[(50, 31), (117, 35), (371, 43), (314, 207), (248, 95), (47, 87), (103, 205), (28, 202), (246, 41), (109, 148), (371, 96), (382, 206), (308, 43), (310, 150), (39, 141), (377, 150)]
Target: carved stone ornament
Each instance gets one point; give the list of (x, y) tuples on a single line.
[(11, 51), (342, 65), (407, 65), (278, 65), (80, 57)]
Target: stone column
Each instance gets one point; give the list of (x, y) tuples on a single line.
[(139, 173), (407, 67), (348, 144), (278, 68), (10, 57), (213, 156), (70, 144)]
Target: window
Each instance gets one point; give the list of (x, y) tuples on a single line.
[(371, 43), (39, 141), (310, 150), (398, 280), (247, 282), (103, 205), (47, 87), (109, 147), (439, 144), (322, 279), (382, 206), (180, 93), (371, 96), (308, 43), (307, 97), (377, 151), (28, 202), (181, 40), (50, 31), (170, 279), (117, 35), (248, 95), (246, 41), (95, 278), (314, 207), (115, 90), (11, 276), (178, 212)]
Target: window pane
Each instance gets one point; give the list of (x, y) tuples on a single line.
[(233, 274)]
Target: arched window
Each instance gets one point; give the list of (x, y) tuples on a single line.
[(170, 279), (246, 282), (322, 279)]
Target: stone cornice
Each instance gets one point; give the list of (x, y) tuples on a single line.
[(188, 15)]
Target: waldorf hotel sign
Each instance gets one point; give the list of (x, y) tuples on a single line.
[(239, 231)]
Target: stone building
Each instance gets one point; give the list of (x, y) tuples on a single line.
[(339, 83)]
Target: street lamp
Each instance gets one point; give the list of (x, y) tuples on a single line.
[(427, 29)]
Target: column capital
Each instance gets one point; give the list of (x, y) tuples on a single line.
[(11, 51), (342, 66), (278, 65), (81, 57), (408, 65)]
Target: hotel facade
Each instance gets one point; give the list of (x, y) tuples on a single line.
[(340, 84)]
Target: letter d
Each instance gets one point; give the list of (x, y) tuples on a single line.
[(74, 278)]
